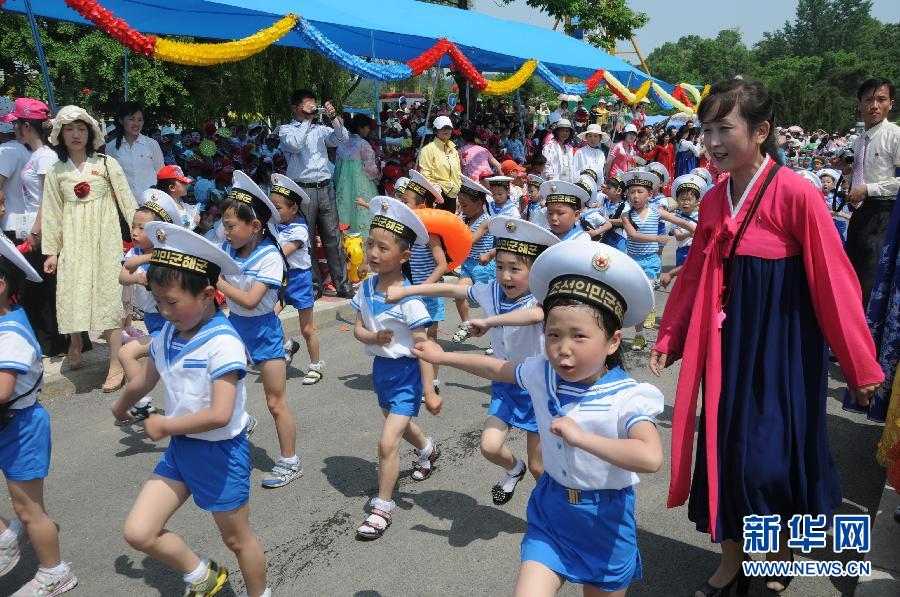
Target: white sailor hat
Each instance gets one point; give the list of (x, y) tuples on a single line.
[(397, 217), (520, 237), (689, 181), (401, 183), (160, 203), (830, 172), (588, 183), (500, 181), (595, 274), (660, 170), (247, 191), (179, 248), (558, 191), (421, 186), (704, 174), (811, 177), (640, 178), (290, 190), (9, 254), (472, 187), (535, 180), (590, 172)]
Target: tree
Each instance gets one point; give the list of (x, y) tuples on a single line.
[(694, 59)]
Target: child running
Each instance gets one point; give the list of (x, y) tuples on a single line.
[(25, 438), (472, 202), (514, 320), (201, 360), (564, 201), (293, 235), (154, 206), (597, 425), (388, 333), (251, 296), (644, 239), (688, 190), (614, 206)]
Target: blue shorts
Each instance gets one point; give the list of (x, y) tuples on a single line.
[(435, 307), (512, 405), (261, 334), (299, 291), (217, 473), (651, 265), (681, 254), (592, 543), (476, 272), (398, 385), (25, 444), (154, 322)]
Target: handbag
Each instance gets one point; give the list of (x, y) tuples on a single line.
[(124, 226), (6, 413)]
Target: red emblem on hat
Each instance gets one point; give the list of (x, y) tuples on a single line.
[(601, 262)]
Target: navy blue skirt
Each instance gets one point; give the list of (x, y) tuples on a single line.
[(773, 448)]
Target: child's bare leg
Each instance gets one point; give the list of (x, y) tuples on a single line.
[(237, 536), (145, 529), (536, 580), (274, 372), (462, 305), (308, 329), (28, 502), (493, 444), (432, 333), (395, 427), (130, 353)]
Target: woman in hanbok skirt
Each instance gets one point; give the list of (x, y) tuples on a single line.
[(759, 300), (355, 175)]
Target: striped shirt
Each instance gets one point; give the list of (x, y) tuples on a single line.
[(485, 243), (421, 263), (649, 225)]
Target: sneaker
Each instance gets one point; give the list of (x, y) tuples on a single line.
[(314, 373), (650, 322), (290, 349), (10, 552), (250, 427), (422, 469), (282, 473), (45, 584), (639, 343), (329, 290), (489, 351), (211, 584), (461, 334)]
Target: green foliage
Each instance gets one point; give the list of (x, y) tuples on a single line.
[(812, 66), (603, 21), (87, 68)]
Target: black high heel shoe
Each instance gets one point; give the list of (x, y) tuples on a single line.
[(739, 582), (784, 581)]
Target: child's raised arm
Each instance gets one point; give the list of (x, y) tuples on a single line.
[(136, 388), (131, 277), (641, 452), (396, 294), (680, 222), (248, 299), (633, 234), (482, 230), (517, 318), (289, 247), (136, 261), (480, 365)]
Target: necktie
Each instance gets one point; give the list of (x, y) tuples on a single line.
[(859, 162)]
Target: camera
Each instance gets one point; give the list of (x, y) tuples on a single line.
[(846, 154)]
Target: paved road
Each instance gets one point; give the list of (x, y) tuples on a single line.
[(447, 536)]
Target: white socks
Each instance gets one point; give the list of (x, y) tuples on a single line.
[(379, 503), (425, 454), (57, 570), (317, 366), (295, 459), (199, 573), (12, 532), (509, 481)]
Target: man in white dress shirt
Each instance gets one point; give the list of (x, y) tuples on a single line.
[(875, 181), (305, 146)]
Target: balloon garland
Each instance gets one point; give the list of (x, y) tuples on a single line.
[(206, 54)]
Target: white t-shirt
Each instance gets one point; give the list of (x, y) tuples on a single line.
[(401, 318), (140, 161), (511, 343), (264, 265), (295, 232), (188, 373), (142, 299), (20, 352), (610, 408), (36, 166), (13, 157)]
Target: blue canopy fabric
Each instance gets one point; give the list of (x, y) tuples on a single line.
[(385, 29)]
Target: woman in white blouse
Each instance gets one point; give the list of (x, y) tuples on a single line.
[(560, 155), (139, 155)]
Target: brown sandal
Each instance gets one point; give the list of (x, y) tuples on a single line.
[(371, 528)]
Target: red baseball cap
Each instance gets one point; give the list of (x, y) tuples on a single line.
[(27, 109), (510, 166), (173, 172)]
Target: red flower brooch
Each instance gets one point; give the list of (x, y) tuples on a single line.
[(82, 190)]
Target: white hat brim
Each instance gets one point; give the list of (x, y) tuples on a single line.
[(9, 250), (245, 183)]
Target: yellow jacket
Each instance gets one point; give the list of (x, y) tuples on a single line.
[(439, 163)]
